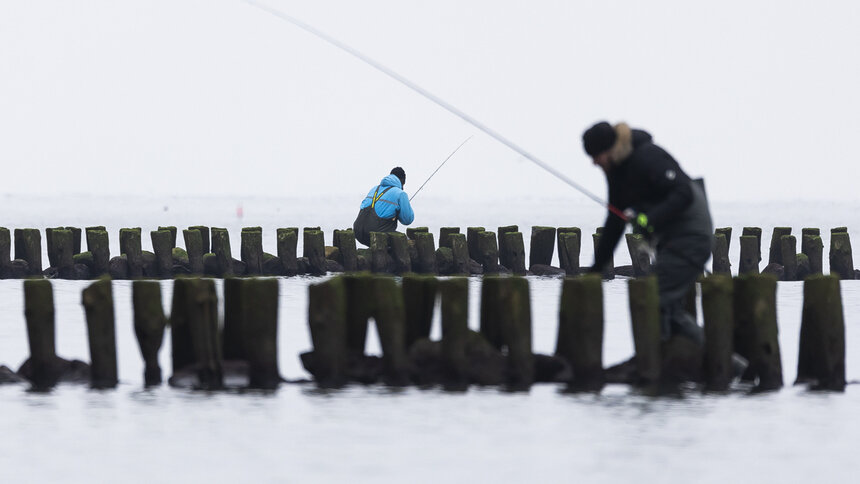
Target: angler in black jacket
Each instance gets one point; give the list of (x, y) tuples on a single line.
[(661, 201)]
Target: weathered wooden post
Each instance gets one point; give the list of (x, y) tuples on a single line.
[(194, 247), (163, 252), (426, 248), (445, 235), (503, 248), (399, 252), (488, 252), (379, 252), (721, 263), (172, 231), (717, 308), (252, 250), (28, 247), (76, 238), (260, 331), (460, 253), (287, 241), (491, 308), (98, 246), (727, 233), (5, 250), (841, 258), (49, 242), (419, 297), (344, 240), (821, 359), (194, 330), (788, 249), (569, 241), (232, 347), (775, 256), (359, 307), (327, 309), (63, 246), (39, 313), (640, 254), (314, 250), (750, 254), (580, 331), (753, 231), (513, 256), (645, 321), (390, 316), (130, 245), (608, 272), (221, 249), (472, 241), (812, 246), (455, 328), (98, 304), (542, 245), (756, 331), (411, 231), (149, 324), (516, 332), (204, 235)]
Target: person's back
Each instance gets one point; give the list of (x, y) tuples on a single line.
[(384, 205)]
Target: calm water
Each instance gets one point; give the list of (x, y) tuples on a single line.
[(375, 434)]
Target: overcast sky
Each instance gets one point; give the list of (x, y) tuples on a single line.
[(218, 97)]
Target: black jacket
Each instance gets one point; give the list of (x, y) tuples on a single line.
[(649, 181)]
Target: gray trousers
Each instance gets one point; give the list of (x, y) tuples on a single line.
[(680, 261)]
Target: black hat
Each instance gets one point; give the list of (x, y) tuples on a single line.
[(598, 138), (400, 174)]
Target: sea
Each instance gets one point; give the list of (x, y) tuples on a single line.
[(373, 433)]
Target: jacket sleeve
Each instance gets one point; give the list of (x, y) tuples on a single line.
[(612, 230), (667, 177), (405, 214)]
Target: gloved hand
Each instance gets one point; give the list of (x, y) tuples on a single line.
[(639, 221)]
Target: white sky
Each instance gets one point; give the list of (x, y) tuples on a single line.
[(217, 97)]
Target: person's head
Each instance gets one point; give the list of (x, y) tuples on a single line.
[(400, 174), (597, 142)]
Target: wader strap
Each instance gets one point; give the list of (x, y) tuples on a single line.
[(377, 197)]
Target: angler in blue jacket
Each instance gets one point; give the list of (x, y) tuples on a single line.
[(383, 206)]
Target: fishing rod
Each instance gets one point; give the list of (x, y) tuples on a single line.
[(450, 108), (437, 169)]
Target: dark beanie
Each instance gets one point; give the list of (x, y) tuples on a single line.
[(598, 138), (400, 174)]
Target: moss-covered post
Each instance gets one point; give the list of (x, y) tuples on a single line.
[(163, 252), (5, 250), (608, 272), (841, 259), (204, 235), (788, 249), (63, 253), (775, 255), (287, 241), (344, 240), (98, 305), (172, 231), (222, 251), (821, 359), (445, 235), (516, 332), (542, 245), (76, 238), (359, 307), (398, 246), (753, 231), (727, 233), (472, 242), (750, 254), (503, 247), (455, 328), (28, 247), (411, 231), (491, 309), (260, 331), (194, 327), (379, 252), (645, 321), (717, 308), (488, 252), (640, 254), (419, 297), (49, 243), (39, 313), (513, 256), (130, 245), (756, 331), (98, 246), (314, 250), (232, 346), (252, 251), (460, 253), (390, 316), (149, 324), (194, 247), (569, 241), (580, 330), (812, 246), (426, 248), (327, 307), (720, 259)]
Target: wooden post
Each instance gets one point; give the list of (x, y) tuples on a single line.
[(172, 231), (426, 247), (580, 331), (813, 247), (359, 307), (194, 247), (419, 297), (5, 250), (327, 308), (345, 241), (841, 258), (39, 313), (516, 332), (569, 241), (98, 246), (204, 236), (756, 332), (163, 252), (379, 252), (445, 236), (775, 256), (49, 242), (727, 233), (455, 329), (98, 304), (390, 316), (717, 304), (514, 252), (488, 252), (28, 247), (287, 241), (491, 307), (608, 271), (542, 245), (472, 242), (411, 231), (750, 255), (149, 324), (503, 248), (221, 249), (645, 321), (721, 263), (76, 238), (640, 254), (252, 251), (232, 346), (260, 331), (754, 231), (63, 256), (314, 250), (398, 246), (460, 253), (821, 359), (788, 249), (194, 330), (130, 245)]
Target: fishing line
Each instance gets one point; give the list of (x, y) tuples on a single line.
[(453, 110), (437, 169)]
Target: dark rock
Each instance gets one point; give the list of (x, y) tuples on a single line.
[(148, 261), (118, 267), (625, 271), (333, 253), (9, 376), (552, 369), (180, 257), (362, 263), (333, 266), (181, 269), (210, 264), (239, 267), (444, 261), (775, 269), (16, 269), (486, 365), (856, 274), (51, 273), (302, 265), (235, 374), (272, 265), (65, 371), (425, 362), (81, 272), (545, 270), (475, 268), (360, 368), (624, 372)]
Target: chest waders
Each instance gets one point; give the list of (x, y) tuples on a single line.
[(368, 221)]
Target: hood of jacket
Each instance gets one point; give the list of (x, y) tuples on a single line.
[(627, 140), (391, 181)]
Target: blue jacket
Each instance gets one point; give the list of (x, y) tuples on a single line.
[(395, 202)]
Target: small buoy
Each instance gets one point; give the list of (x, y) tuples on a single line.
[(239, 211)]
